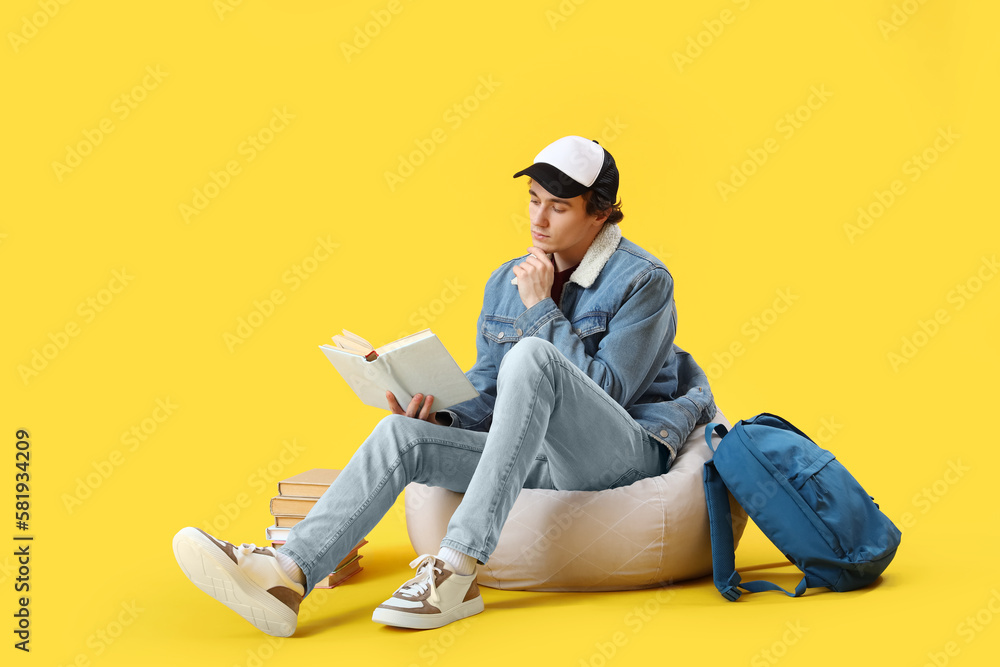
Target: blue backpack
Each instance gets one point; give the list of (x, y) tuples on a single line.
[(802, 499)]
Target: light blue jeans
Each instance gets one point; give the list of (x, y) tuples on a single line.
[(553, 428)]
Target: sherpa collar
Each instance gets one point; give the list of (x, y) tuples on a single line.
[(597, 255)]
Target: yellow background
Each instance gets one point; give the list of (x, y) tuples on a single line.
[(893, 75)]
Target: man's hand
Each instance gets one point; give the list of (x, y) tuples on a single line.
[(414, 409), (535, 276)]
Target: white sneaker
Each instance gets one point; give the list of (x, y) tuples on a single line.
[(246, 578), (436, 596)]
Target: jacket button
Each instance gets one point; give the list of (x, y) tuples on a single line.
[(664, 433), (519, 332), (500, 335)]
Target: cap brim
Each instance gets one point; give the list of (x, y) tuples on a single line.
[(553, 180)]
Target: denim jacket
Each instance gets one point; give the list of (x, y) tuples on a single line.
[(616, 321)]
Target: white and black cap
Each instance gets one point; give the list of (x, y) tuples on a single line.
[(570, 166)]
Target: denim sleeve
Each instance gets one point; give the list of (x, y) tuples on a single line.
[(635, 345), (476, 413)]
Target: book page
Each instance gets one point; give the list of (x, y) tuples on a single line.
[(405, 340), (424, 366), (367, 379), (352, 343), (357, 339), (421, 365)]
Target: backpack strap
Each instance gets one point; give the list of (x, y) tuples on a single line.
[(720, 524), (761, 585)]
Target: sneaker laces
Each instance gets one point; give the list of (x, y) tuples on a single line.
[(247, 549), (271, 566), (424, 579)]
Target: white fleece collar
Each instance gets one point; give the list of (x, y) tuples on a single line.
[(597, 255)]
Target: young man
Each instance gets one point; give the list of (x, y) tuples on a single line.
[(580, 387)]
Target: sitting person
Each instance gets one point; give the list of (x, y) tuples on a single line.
[(580, 388)]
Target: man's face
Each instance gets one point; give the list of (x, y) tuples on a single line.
[(560, 225)]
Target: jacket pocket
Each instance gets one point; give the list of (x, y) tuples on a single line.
[(500, 329), (590, 323)]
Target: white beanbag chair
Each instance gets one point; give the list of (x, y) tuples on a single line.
[(651, 533)]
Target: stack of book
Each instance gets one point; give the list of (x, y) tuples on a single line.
[(296, 496)]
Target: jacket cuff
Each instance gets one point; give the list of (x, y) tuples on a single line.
[(451, 417), (534, 318)]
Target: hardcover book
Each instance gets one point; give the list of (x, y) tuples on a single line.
[(414, 364), (309, 484)]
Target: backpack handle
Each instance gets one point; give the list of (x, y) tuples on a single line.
[(714, 427)]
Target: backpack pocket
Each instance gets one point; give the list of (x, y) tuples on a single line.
[(865, 536)]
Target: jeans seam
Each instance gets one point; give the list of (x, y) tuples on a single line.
[(478, 554), (520, 442), (368, 501), (602, 393)]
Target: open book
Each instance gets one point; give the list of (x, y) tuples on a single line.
[(414, 364)]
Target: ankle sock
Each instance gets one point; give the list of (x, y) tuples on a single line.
[(290, 567), (461, 563)]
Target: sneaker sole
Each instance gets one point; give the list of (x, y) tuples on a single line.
[(216, 574), (404, 619)]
